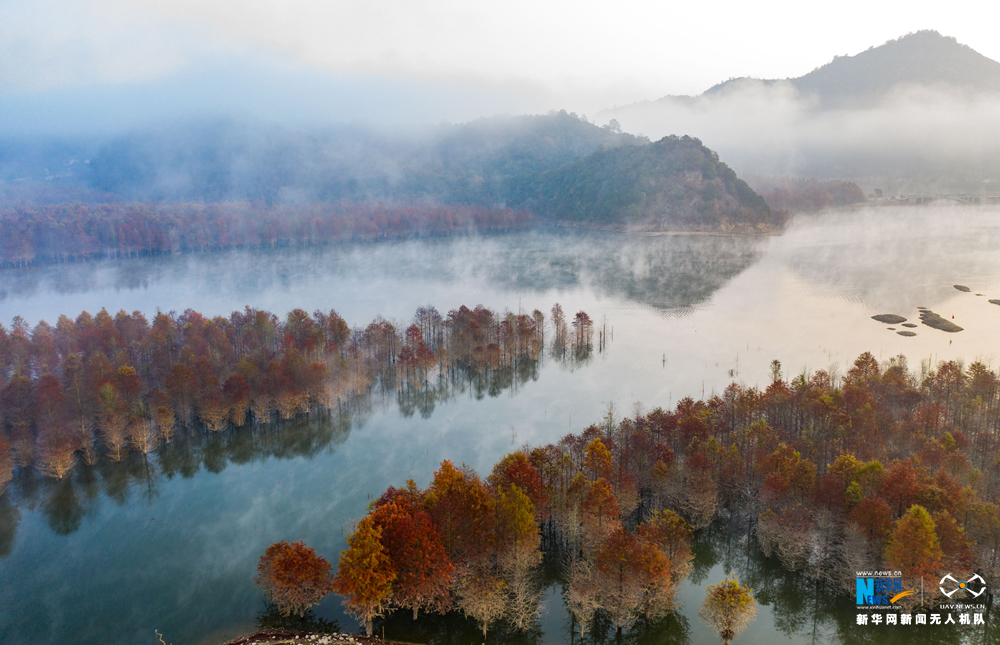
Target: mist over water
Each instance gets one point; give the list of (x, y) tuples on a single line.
[(118, 550)]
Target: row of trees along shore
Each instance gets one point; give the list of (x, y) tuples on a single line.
[(883, 469), (103, 385), (75, 232)]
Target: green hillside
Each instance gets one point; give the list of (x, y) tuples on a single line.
[(673, 183)]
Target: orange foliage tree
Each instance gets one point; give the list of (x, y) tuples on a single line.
[(631, 577), (293, 576), (423, 570), (914, 548), (365, 574)]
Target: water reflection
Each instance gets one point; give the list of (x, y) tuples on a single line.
[(796, 607), (10, 519), (803, 608), (171, 542), (894, 260), (270, 617), (67, 502), (660, 271)]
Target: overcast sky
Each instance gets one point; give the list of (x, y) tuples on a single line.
[(578, 54)]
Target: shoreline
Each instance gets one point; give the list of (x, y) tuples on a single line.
[(288, 637), (769, 232)]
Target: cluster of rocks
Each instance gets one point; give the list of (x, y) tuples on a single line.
[(927, 317)]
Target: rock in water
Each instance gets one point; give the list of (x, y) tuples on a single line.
[(962, 287), (889, 319), (906, 333), (932, 319), (908, 325)]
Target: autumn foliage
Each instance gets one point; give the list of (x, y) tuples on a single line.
[(365, 574), (914, 546), (293, 577), (880, 469), (106, 386), (729, 607), (75, 232)]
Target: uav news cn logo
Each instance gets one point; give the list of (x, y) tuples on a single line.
[(873, 590), (974, 586)]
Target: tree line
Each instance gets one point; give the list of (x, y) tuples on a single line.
[(800, 195), (76, 232), (882, 469), (106, 385)]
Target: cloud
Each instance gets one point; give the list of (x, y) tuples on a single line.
[(48, 44), (581, 55), (932, 137)]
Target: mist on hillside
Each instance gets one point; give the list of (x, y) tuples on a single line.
[(917, 139), (211, 160), (873, 118)]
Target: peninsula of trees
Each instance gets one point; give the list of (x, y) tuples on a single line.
[(105, 385), (884, 469)]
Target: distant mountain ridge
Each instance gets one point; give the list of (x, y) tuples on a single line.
[(915, 114), (925, 58)]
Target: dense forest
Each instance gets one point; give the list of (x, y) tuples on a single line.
[(74, 232), (102, 386), (672, 183), (884, 469)]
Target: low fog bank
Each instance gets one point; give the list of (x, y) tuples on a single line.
[(254, 86), (213, 160), (916, 139)]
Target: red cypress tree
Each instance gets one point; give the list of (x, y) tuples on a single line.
[(423, 570), (293, 576)]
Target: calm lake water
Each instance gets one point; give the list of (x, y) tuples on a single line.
[(170, 544)]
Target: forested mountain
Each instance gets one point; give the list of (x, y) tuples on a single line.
[(557, 166), (467, 163), (675, 182)]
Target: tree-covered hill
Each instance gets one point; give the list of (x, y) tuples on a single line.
[(465, 163), (557, 166), (673, 183)]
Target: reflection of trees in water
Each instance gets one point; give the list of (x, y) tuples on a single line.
[(65, 503), (270, 617), (803, 607), (662, 271), (10, 519), (422, 397), (671, 272), (453, 628)]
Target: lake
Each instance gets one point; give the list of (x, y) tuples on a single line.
[(117, 551)]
